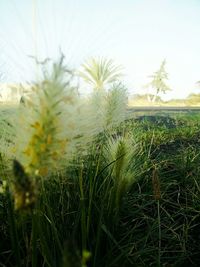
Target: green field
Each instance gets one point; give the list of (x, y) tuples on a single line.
[(132, 200), (88, 182)]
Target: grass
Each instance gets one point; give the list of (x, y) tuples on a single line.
[(129, 195)]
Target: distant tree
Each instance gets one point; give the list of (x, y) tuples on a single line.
[(100, 72), (158, 82)]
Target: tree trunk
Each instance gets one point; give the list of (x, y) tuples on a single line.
[(154, 98), (156, 94), (148, 98)]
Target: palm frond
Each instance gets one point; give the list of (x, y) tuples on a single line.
[(100, 72)]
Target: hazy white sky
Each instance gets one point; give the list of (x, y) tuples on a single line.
[(138, 34)]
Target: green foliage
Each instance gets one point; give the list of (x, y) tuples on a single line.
[(102, 207), (158, 81), (100, 72)]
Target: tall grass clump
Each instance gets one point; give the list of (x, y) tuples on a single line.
[(55, 153), (43, 132), (118, 156)]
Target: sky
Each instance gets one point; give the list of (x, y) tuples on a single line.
[(137, 34)]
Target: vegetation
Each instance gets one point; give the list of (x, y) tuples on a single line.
[(192, 100), (158, 82), (100, 72), (83, 185)]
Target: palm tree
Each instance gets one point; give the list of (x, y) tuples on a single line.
[(100, 72)]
